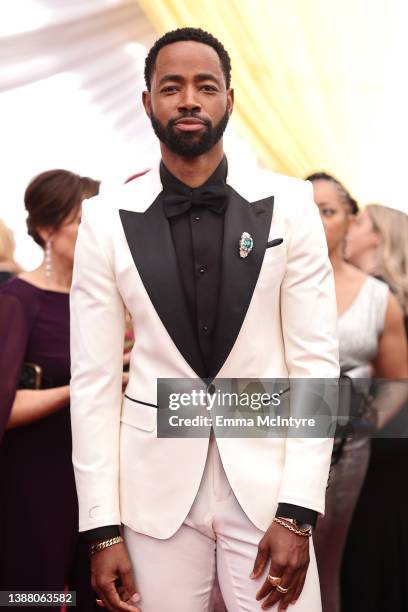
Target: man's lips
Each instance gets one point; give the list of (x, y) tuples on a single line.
[(189, 124)]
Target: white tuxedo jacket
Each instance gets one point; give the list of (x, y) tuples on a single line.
[(276, 318)]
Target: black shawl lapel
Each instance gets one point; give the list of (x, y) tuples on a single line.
[(149, 238), (239, 275)]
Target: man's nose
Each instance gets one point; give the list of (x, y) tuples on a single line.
[(189, 100)]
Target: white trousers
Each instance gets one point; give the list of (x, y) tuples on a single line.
[(177, 574)]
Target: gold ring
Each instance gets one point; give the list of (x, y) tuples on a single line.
[(274, 580), (282, 589)]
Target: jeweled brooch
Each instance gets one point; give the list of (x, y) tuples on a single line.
[(246, 244)]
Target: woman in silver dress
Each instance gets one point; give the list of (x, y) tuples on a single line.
[(371, 333), (375, 570)]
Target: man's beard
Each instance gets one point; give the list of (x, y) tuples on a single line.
[(189, 144)]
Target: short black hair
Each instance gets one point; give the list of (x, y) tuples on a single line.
[(182, 34), (350, 202)]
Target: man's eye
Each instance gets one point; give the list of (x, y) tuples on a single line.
[(328, 212), (209, 88), (169, 89)]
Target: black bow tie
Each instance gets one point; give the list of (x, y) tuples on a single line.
[(182, 198)]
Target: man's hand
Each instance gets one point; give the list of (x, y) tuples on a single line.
[(106, 567), (290, 560)]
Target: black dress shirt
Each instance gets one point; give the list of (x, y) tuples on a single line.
[(197, 233), (198, 238)]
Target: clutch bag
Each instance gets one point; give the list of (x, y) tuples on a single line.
[(30, 376)]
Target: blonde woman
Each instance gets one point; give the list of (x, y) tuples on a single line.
[(375, 567), (378, 244), (8, 266)]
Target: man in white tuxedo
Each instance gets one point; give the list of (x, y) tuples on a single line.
[(205, 304)]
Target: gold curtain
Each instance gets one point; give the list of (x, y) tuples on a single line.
[(319, 84)]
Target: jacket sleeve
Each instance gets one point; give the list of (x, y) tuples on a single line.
[(309, 323), (97, 339)]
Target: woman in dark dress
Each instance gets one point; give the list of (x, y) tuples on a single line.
[(39, 545), (375, 564)]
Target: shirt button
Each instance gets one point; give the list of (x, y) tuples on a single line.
[(202, 270), (197, 218), (205, 328)]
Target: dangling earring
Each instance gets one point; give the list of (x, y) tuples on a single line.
[(47, 259)]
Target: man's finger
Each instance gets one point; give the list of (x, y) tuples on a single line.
[(299, 588), (101, 601), (288, 579), (260, 561), (104, 602), (267, 588), (129, 593), (287, 599), (111, 597)]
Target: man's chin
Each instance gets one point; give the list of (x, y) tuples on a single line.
[(188, 146)]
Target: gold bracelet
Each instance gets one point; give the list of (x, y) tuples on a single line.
[(104, 544), (305, 533)]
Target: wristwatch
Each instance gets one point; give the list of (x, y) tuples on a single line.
[(305, 528)]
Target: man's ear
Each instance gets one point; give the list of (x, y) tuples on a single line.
[(147, 102), (230, 100)]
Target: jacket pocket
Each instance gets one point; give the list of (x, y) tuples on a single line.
[(138, 414), (274, 243)]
